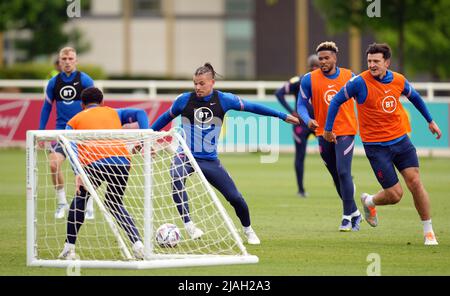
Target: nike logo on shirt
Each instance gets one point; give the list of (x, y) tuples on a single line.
[(386, 91), (330, 86), (75, 83)]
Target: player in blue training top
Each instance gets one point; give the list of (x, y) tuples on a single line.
[(301, 131), (64, 89), (202, 114)]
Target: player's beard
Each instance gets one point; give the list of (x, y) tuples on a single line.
[(327, 69)]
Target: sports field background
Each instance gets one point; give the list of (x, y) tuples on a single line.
[(299, 236)]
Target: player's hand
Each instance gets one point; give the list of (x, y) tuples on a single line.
[(435, 130), (329, 136), (292, 119), (136, 149), (131, 125), (295, 114), (313, 125), (78, 183)]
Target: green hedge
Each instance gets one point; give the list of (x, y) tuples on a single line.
[(42, 71)]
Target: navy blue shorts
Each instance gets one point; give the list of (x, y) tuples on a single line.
[(56, 147), (301, 133), (402, 155)]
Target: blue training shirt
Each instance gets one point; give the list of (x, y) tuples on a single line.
[(292, 87), (64, 110), (357, 88), (202, 138)]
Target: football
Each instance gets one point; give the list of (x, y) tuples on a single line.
[(168, 235)]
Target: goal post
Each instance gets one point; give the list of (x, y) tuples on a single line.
[(133, 196)]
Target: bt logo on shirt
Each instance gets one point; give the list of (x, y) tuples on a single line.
[(389, 104), (68, 93), (328, 96), (203, 116)]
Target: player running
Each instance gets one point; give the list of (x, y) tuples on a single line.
[(319, 87), (384, 128)]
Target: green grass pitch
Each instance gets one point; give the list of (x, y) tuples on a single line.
[(299, 236)]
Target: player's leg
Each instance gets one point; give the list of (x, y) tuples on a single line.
[(381, 161), (344, 156), (56, 158), (76, 216), (179, 172), (328, 154), (301, 133), (90, 209), (218, 177), (421, 202), (420, 195), (407, 163), (116, 176)]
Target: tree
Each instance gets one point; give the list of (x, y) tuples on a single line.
[(420, 26), (45, 20), (431, 43), (7, 11)]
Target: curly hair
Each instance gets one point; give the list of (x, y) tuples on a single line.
[(91, 95), (327, 45)]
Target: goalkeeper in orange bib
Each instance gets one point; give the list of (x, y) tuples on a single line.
[(384, 128), (100, 163)]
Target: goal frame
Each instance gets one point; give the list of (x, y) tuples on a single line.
[(151, 260)]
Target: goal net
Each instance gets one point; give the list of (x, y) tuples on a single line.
[(133, 177)]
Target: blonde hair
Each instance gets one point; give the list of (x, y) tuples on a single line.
[(327, 45), (66, 50)]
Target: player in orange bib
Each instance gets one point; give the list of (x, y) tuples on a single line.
[(103, 162), (319, 87), (384, 128)]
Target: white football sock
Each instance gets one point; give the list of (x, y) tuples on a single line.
[(90, 204), (69, 246), (61, 195), (427, 226), (247, 229), (369, 201), (355, 213), (189, 224)]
